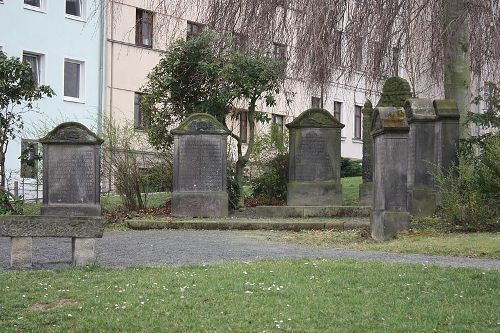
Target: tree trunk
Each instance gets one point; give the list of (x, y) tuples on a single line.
[(457, 72)]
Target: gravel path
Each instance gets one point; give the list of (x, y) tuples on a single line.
[(178, 247)]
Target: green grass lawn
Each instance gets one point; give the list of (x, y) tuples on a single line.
[(350, 190), (479, 245), (270, 296)]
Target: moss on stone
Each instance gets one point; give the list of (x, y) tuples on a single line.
[(395, 92)]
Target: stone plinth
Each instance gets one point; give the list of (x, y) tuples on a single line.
[(314, 162), (71, 171), (447, 128), (366, 187), (422, 156), (390, 135), (200, 163)]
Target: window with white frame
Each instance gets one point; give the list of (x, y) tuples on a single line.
[(35, 4), (278, 121), (73, 79), (337, 110), (357, 122), (75, 8), (316, 102), (36, 63)]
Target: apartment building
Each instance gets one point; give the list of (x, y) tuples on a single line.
[(63, 42), (139, 34)]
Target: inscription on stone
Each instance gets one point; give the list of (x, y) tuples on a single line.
[(313, 161), (71, 175), (200, 161)]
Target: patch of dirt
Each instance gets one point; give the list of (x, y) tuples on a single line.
[(119, 216), (64, 302), (261, 201)]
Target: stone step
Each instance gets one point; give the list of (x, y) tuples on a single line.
[(312, 211)]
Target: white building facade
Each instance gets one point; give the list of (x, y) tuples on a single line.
[(63, 41)]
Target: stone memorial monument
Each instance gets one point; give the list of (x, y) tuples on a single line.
[(71, 171), (390, 161), (200, 167), (447, 128), (395, 92), (366, 187), (314, 162), (422, 156)]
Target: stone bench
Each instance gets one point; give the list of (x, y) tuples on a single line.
[(21, 229)]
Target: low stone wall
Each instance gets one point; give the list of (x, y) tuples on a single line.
[(21, 230)]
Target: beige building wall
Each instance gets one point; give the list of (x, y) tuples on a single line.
[(128, 65)]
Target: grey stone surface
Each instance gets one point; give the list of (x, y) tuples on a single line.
[(71, 174), (200, 163), (83, 251), (51, 226), (366, 193), (390, 133), (311, 211), (422, 156), (21, 252), (314, 162), (366, 187), (447, 128), (182, 247)]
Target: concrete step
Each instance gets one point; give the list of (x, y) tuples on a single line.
[(311, 211)]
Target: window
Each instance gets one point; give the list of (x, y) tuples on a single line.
[(240, 42), (29, 158), (143, 28), (243, 126), (337, 56), (75, 7), (337, 110), (278, 120), (33, 3), (357, 122), (396, 54), (279, 51), (140, 120), (193, 29), (73, 79), (34, 60), (316, 102)]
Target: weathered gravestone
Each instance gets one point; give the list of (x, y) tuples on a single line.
[(447, 128), (71, 171), (422, 156), (366, 187), (314, 162), (390, 136), (395, 92), (200, 148)]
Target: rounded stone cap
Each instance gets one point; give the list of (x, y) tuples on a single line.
[(389, 119), (315, 118), (71, 133), (201, 123), (419, 110), (446, 108)]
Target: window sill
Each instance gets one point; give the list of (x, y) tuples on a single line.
[(35, 9), (73, 100), (357, 140), (75, 18)]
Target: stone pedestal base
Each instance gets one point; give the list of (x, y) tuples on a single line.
[(21, 252), (320, 193), (199, 204), (366, 193), (71, 210), (83, 251), (386, 224), (422, 201)]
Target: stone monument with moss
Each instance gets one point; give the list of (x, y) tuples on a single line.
[(314, 162), (200, 167), (390, 162)]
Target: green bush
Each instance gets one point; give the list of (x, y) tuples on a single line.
[(350, 168), (270, 161), (233, 188)]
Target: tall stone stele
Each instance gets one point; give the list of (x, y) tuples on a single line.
[(71, 171), (422, 156), (390, 136), (448, 129), (314, 162), (366, 187), (200, 167)]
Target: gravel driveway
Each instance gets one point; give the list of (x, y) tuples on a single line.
[(178, 247)]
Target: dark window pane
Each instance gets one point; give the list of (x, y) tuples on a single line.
[(337, 110), (144, 28), (315, 102), (71, 79), (73, 7), (34, 3), (33, 61), (193, 29), (357, 122), (141, 121), (243, 126)]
